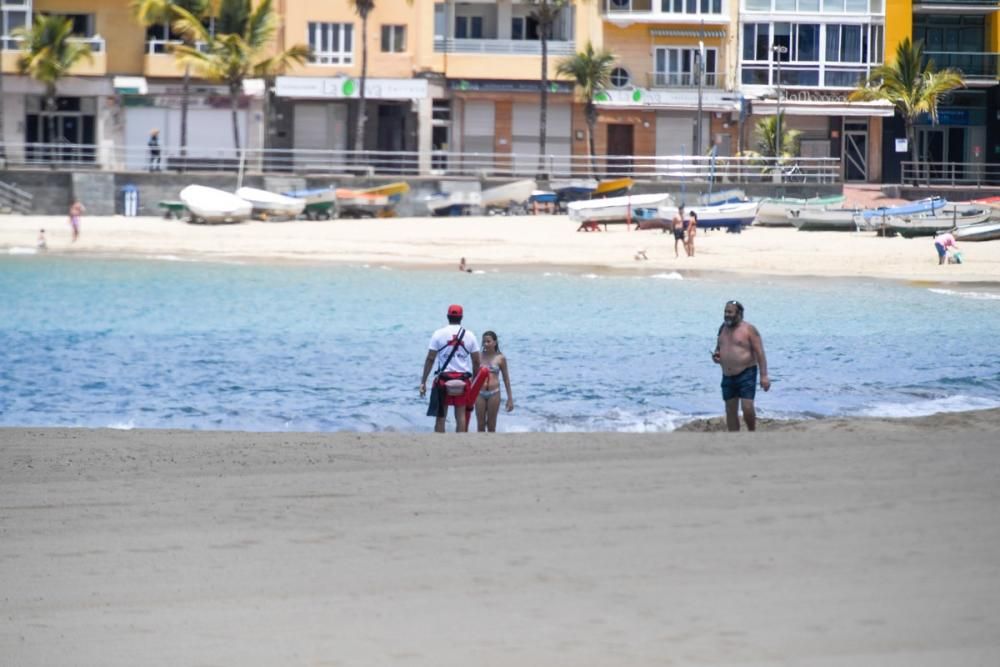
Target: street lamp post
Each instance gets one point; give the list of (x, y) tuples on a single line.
[(778, 52), (699, 72)]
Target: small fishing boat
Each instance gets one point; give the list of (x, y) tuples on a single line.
[(941, 221), (922, 207), (573, 189), (731, 217), (379, 201), (503, 196), (614, 209), (453, 203), (210, 205), (271, 205), (773, 212), (613, 188), (320, 202), (984, 231), (733, 196), (824, 220)]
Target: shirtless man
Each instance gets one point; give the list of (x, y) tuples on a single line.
[(677, 227), (740, 350)]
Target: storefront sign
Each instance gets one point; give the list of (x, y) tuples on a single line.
[(488, 86), (814, 96), (343, 87)]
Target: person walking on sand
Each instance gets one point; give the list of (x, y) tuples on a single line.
[(455, 353), (42, 244), (677, 227), (154, 150), (692, 231), (740, 351), (488, 401), (76, 211), (941, 243)]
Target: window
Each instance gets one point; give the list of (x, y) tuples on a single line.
[(83, 24), (692, 6), (524, 27), (620, 77), (678, 66), (469, 27), (331, 43), (828, 6), (393, 38)]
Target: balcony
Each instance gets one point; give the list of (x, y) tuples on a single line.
[(684, 80), (955, 6), (507, 47), (97, 66), (666, 11), (982, 68)]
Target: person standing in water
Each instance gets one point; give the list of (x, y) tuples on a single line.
[(739, 349), (488, 401)]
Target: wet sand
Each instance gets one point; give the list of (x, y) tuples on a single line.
[(826, 543), (509, 243)]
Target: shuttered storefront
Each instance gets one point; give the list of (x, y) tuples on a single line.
[(558, 133)]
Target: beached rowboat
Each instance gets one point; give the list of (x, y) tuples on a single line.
[(929, 225), (271, 204), (515, 192), (773, 212), (213, 205), (829, 220), (984, 231), (731, 217), (613, 188), (614, 209)]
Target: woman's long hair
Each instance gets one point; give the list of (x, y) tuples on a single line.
[(493, 335)]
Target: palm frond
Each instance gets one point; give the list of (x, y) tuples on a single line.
[(262, 25)]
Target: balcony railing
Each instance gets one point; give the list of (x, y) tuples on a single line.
[(9, 43), (985, 4), (673, 9), (981, 65), (684, 80), (515, 47), (163, 46)]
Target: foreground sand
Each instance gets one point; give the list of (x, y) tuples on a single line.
[(532, 242), (834, 543)]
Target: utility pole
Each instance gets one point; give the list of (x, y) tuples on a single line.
[(778, 52), (699, 72)]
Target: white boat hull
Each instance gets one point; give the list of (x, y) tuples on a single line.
[(830, 220), (984, 231), (614, 209), (213, 205), (739, 214), (774, 212), (271, 204), (502, 196)]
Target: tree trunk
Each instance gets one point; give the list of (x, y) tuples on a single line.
[(234, 103), (543, 112), (914, 156), (185, 99), (3, 137), (359, 137), (591, 113), (50, 104)]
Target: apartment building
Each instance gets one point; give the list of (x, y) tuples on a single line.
[(964, 35), (131, 86), (674, 57)]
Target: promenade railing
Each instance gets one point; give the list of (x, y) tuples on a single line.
[(977, 174), (675, 168)]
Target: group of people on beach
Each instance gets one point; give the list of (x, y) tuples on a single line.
[(467, 375), (684, 234)]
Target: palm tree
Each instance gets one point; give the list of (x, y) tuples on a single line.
[(161, 12), (767, 138), (910, 85), (545, 13), (48, 53), (591, 70), (239, 49), (362, 8)]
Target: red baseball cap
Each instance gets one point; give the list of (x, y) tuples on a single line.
[(454, 310)]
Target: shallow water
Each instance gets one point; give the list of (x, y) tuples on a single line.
[(192, 345)]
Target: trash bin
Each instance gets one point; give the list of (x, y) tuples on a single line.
[(130, 200)]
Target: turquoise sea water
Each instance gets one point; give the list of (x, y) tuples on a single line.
[(168, 344)]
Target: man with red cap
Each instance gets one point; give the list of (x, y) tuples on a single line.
[(454, 352)]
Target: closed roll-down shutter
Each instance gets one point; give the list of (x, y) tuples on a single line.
[(479, 126), (558, 125)]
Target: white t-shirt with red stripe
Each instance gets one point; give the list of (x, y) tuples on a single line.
[(442, 342)]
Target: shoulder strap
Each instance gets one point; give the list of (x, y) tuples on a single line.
[(458, 341)]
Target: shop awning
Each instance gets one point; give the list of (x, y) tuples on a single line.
[(130, 85), (823, 108)]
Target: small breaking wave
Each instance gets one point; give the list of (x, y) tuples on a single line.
[(20, 250), (979, 296), (673, 275), (930, 406), (122, 426)]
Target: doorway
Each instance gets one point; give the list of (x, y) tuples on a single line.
[(856, 152), (66, 134), (621, 148), (931, 142)]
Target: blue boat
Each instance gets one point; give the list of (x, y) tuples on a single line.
[(921, 207)]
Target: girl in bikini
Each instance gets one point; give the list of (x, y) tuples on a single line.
[(488, 402)]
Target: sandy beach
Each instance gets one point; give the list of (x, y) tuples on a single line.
[(533, 242), (872, 542)]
